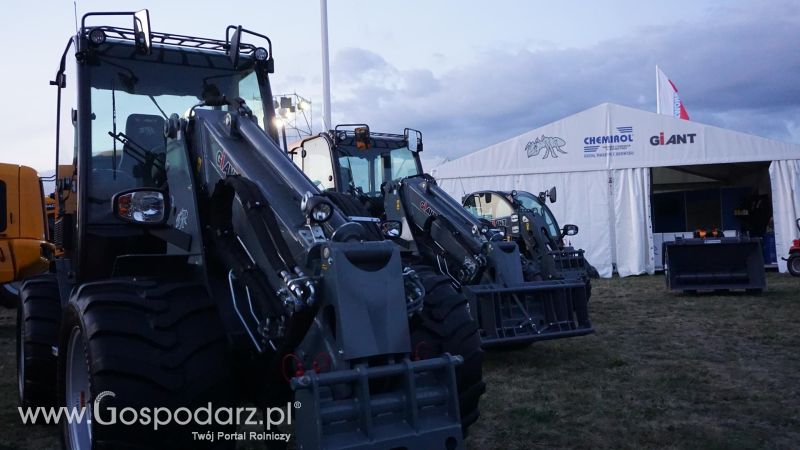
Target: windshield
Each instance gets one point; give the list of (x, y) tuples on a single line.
[(528, 201), (132, 95), (367, 170), (489, 206)]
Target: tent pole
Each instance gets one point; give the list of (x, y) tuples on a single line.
[(326, 70), (658, 93)]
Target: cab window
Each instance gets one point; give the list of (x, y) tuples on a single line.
[(316, 163), (532, 203), (250, 91), (488, 205)]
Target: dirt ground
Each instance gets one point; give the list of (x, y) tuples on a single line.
[(663, 370)]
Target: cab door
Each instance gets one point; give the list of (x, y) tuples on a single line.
[(9, 218), (316, 162)]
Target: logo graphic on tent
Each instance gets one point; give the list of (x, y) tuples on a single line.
[(621, 140), (660, 139), (549, 144)]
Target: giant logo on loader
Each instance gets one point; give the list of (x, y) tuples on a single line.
[(224, 165)]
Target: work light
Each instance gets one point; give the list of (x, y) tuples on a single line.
[(97, 36), (261, 54), (316, 208)]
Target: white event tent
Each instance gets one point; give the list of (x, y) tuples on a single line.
[(602, 162)]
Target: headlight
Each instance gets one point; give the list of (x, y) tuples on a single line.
[(316, 208), (141, 206)]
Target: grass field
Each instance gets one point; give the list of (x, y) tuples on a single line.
[(663, 370)]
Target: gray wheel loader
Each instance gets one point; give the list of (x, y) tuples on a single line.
[(377, 179), (204, 273)]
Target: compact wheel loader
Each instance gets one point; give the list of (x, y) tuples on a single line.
[(202, 269), (527, 220), (377, 180)]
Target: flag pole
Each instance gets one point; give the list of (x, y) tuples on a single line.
[(658, 93), (326, 69)]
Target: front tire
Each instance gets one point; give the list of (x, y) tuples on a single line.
[(151, 345), (38, 321), (445, 325)]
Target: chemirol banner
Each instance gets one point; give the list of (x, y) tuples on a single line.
[(610, 136)]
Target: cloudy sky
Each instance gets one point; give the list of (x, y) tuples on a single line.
[(466, 73)]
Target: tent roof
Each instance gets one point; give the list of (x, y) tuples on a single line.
[(610, 136)]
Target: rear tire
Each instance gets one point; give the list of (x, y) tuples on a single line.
[(591, 271), (38, 321), (9, 295), (152, 345), (793, 265), (445, 325)]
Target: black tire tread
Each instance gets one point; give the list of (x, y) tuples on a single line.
[(38, 320), (152, 345), (444, 324)]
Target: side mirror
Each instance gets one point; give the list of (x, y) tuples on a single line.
[(569, 230), (413, 139), (142, 206), (141, 30), (552, 195), (392, 228), (233, 49)]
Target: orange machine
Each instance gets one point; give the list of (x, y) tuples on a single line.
[(24, 250)]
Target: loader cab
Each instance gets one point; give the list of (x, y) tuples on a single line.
[(135, 186), (351, 159), (500, 208)]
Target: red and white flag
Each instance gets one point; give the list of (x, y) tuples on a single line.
[(667, 100)]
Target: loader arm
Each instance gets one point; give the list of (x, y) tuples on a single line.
[(321, 288)]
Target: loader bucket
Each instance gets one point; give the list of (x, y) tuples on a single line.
[(714, 263), (533, 311), (571, 263), (406, 405)]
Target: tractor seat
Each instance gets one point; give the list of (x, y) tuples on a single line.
[(147, 132)]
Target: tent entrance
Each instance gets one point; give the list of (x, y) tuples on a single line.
[(732, 198)]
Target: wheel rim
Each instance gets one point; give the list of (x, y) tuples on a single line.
[(795, 264), (20, 355), (79, 433)]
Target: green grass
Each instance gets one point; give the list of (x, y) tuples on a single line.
[(663, 370)]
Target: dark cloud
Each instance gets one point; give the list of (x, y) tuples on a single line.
[(356, 63), (735, 69)]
